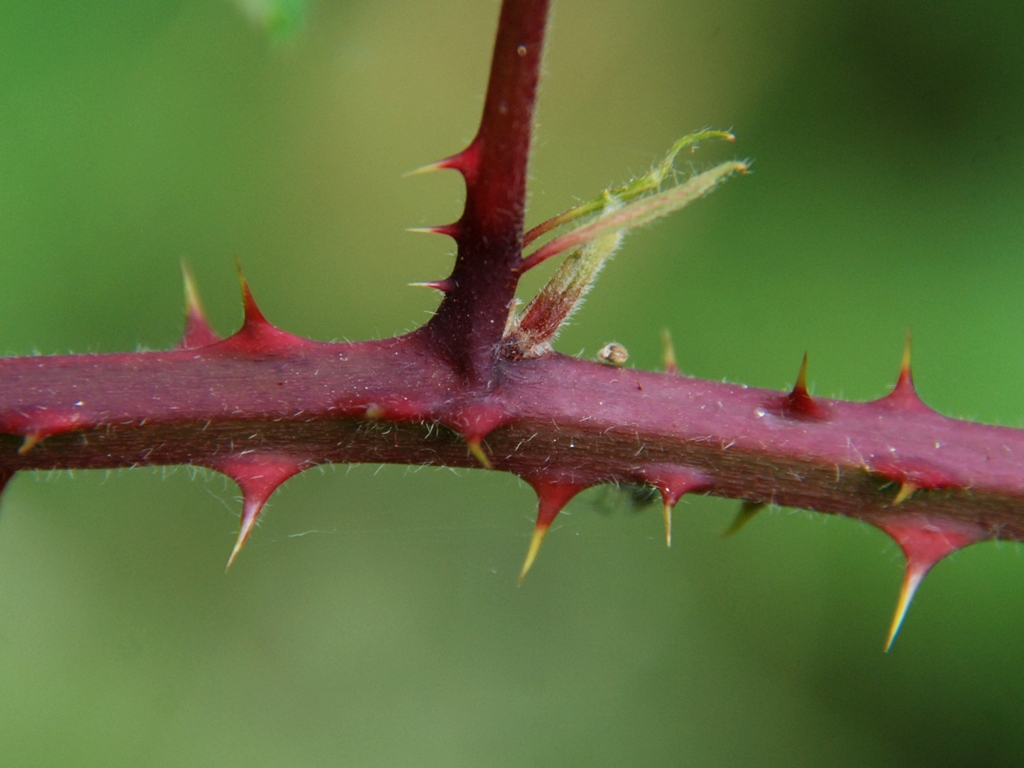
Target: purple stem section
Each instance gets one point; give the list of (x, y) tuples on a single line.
[(563, 418), (263, 403), (468, 325)]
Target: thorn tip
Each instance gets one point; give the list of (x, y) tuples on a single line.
[(249, 516), (907, 489), (668, 354), (476, 448), (438, 285), (911, 581), (801, 378), (747, 512), (539, 532), (30, 441), (440, 165), (198, 332)]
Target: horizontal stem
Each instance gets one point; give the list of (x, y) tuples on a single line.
[(389, 401)]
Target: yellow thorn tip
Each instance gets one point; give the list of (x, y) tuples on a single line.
[(531, 554), (667, 511), (906, 491), (440, 165), (193, 306), (479, 453), (243, 534), (668, 353), (31, 440), (911, 581), (242, 282)]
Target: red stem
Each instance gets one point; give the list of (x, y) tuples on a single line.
[(263, 404), (468, 325), (585, 422)]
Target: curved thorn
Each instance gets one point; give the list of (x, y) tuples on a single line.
[(192, 303), (912, 578), (257, 477), (252, 312), (539, 532), (451, 230), (476, 448), (747, 512), (438, 285), (30, 441), (799, 404), (903, 395), (907, 489), (250, 512), (448, 163), (673, 482), (552, 496), (924, 542), (198, 332)]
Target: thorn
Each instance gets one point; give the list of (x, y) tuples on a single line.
[(250, 511), (924, 543), (192, 303), (801, 379), (252, 315), (198, 332), (31, 440), (907, 489), (476, 448), (904, 395), (905, 382), (438, 285), (539, 532), (912, 579), (914, 475), (257, 336), (440, 165), (747, 512), (799, 404), (451, 230), (257, 477), (673, 481), (668, 353), (552, 496), (905, 378), (474, 420), (40, 423), (465, 162)]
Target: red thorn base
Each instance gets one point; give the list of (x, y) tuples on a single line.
[(924, 543), (257, 477), (552, 496)]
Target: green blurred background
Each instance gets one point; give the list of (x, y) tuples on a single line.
[(374, 618)]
